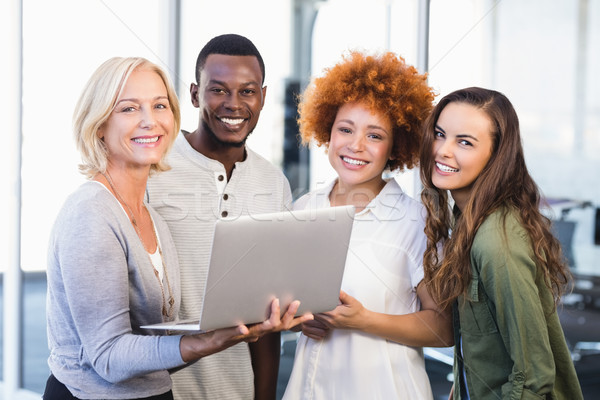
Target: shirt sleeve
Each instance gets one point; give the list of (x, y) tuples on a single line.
[(91, 255), (287, 195), (510, 277)]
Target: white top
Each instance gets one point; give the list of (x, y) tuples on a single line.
[(190, 197), (155, 257), (383, 269)]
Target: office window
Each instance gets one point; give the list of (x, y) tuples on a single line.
[(342, 26), (63, 43), (541, 57)]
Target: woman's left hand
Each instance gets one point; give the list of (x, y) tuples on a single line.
[(350, 314)]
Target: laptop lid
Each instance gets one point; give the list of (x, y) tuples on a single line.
[(290, 255)]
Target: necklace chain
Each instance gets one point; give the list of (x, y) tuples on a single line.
[(171, 302)]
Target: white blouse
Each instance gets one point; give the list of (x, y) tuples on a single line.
[(383, 269)]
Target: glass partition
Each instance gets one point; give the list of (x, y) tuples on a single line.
[(63, 43), (540, 55)]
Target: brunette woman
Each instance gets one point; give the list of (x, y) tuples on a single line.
[(500, 267)]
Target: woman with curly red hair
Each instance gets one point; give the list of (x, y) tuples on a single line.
[(368, 111), (501, 267)]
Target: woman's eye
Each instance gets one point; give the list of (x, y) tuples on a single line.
[(128, 109), (438, 134), (465, 142)]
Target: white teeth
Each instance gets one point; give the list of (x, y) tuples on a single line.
[(445, 168), (146, 140), (231, 121), (353, 161)]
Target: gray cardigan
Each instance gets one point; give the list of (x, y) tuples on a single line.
[(101, 288)]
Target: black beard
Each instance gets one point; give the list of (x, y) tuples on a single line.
[(222, 143)]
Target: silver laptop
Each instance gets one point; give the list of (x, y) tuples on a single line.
[(291, 255)]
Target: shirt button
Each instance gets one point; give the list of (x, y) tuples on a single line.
[(225, 196), (221, 177), (224, 214)]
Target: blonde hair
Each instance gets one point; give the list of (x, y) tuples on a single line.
[(97, 102)]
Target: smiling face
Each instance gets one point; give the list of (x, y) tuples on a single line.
[(230, 97), (360, 147), (461, 149), (137, 131)]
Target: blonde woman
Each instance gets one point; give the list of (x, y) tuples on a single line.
[(112, 264)]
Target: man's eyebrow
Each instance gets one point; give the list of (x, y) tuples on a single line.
[(223, 83)]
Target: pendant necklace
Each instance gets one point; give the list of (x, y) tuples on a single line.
[(171, 302)]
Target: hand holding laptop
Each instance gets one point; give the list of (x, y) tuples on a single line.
[(275, 323), (291, 255), (194, 347)]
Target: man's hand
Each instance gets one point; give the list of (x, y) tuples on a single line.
[(194, 347), (316, 329)]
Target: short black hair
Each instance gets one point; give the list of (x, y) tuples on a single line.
[(231, 45)]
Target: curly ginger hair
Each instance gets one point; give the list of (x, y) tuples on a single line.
[(383, 83)]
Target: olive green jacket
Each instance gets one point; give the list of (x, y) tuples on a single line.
[(513, 345)]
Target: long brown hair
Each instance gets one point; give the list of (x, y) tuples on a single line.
[(504, 184)]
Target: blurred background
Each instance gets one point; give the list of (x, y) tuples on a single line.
[(540, 53)]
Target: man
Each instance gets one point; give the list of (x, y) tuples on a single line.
[(214, 175)]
